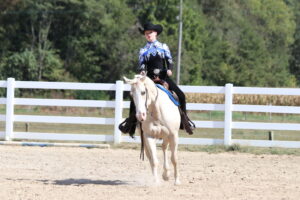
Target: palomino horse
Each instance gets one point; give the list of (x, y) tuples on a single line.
[(160, 119)]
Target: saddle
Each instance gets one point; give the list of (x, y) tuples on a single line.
[(157, 80), (186, 122), (163, 83)]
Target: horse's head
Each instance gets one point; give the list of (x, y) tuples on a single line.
[(140, 95)]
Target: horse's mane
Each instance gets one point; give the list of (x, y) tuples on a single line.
[(147, 81)]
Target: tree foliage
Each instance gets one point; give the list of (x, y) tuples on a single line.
[(247, 43), (295, 47)]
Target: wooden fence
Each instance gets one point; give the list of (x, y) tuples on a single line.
[(119, 104)]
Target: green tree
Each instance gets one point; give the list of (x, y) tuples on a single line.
[(28, 52), (165, 12), (24, 66), (248, 41), (295, 55), (96, 39)]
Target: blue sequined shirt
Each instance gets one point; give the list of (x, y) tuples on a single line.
[(155, 55)]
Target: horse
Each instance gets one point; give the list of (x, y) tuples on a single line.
[(160, 119)]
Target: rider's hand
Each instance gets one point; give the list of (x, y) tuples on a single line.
[(143, 73), (169, 72)]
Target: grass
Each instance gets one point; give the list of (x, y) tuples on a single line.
[(245, 116), (243, 149), (195, 115), (214, 149), (251, 99), (109, 113)]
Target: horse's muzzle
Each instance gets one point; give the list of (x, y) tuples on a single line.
[(141, 116)]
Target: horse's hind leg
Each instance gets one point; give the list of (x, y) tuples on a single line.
[(166, 173), (151, 154), (173, 147)]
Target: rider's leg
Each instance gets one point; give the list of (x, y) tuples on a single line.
[(129, 124), (186, 123), (179, 93)]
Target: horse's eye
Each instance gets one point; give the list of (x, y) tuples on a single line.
[(143, 93)]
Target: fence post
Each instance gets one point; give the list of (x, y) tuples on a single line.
[(228, 114), (271, 135), (10, 96), (118, 111)]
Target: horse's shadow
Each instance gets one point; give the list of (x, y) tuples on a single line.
[(78, 182)]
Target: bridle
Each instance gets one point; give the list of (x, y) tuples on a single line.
[(147, 94), (142, 132)]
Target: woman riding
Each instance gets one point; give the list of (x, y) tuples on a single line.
[(155, 60)]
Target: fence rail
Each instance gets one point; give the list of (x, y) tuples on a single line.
[(119, 104)]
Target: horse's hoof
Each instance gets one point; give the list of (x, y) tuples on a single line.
[(157, 182), (165, 177), (177, 182)]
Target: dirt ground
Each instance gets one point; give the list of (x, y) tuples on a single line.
[(80, 173)]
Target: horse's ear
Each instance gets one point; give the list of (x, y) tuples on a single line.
[(143, 78), (129, 81), (143, 73), (140, 77)]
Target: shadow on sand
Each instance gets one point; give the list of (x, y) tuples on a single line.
[(78, 182)]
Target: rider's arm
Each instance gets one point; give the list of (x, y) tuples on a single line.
[(168, 57), (142, 63)]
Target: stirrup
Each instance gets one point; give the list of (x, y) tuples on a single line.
[(187, 124), (190, 127)]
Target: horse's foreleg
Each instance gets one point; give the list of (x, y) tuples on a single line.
[(166, 172), (173, 147), (151, 154)]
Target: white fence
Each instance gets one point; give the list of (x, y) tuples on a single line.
[(118, 104)]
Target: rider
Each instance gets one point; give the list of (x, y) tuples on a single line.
[(155, 59)]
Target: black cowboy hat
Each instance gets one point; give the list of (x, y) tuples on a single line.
[(149, 26)]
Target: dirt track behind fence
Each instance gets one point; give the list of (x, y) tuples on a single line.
[(80, 173)]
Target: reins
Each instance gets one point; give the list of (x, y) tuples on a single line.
[(142, 154), (147, 97)]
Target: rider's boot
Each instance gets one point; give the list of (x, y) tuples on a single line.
[(186, 123), (129, 124)]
